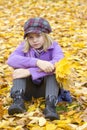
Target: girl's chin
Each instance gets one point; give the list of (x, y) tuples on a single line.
[(38, 47)]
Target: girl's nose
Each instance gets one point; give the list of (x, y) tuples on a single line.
[(35, 39)]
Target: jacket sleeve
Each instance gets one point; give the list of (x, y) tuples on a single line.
[(57, 53), (35, 74), (18, 60)]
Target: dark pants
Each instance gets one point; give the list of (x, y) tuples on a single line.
[(48, 86)]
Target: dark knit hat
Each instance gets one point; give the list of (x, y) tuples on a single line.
[(36, 25)]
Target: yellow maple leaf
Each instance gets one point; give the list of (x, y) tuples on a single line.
[(79, 45), (50, 126), (62, 68), (62, 71), (82, 127)]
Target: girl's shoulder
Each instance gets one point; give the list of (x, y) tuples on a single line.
[(52, 46), (54, 43), (22, 42)]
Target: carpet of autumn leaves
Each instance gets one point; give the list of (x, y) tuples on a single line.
[(68, 19)]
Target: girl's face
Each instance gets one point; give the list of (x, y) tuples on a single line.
[(36, 40)]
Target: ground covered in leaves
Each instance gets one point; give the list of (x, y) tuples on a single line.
[(68, 19)]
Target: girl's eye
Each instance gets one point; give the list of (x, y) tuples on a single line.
[(38, 35), (30, 37)]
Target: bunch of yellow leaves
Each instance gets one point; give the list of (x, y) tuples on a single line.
[(63, 71)]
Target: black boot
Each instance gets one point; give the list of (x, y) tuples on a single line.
[(18, 103), (50, 110)]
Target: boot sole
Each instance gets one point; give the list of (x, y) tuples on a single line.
[(52, 116), (15, 110)]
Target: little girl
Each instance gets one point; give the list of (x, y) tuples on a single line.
[(33, 62)]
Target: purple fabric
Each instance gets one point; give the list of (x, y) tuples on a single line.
[(64, 95), (19, 59)]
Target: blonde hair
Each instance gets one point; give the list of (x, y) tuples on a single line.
[(46, 45)]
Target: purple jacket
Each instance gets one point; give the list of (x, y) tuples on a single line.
[(19, 59)]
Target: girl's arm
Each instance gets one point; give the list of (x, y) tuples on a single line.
[(56, 53), (36, 73), (47, 67), (18, 60)]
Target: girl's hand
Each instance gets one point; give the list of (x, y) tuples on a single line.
[(45, 66), (20, 73)]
